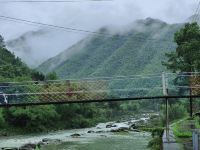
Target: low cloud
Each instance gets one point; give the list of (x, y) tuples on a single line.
[(84, 15)]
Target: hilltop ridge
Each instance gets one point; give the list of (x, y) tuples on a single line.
[(140, 50)]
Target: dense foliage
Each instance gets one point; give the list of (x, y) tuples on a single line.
[(187, 54), (128, 53), (122, 54), (43, 118), (186, 59)]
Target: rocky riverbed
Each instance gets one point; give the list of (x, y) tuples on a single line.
[(110, 131)]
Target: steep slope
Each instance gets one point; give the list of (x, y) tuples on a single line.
[(11, 67), (138, 50)]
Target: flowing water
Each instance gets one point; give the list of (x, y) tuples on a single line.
[(99, 139), (131, 141)]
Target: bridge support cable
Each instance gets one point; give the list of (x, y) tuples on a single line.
[(98, 89)]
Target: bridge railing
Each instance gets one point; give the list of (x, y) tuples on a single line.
[(100, 88), (80, 90)]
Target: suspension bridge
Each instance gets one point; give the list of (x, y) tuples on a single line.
[(100, 89)]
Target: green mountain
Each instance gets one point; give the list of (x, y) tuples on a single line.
[(11, 67), (137, 50)]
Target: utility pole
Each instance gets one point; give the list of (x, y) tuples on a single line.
[(165, 93)]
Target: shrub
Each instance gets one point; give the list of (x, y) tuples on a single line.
[(155, 143), (32, 118)]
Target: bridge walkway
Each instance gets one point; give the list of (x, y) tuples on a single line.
[(170, 143)]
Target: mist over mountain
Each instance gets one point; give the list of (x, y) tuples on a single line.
[(34, 47), (138, 50)]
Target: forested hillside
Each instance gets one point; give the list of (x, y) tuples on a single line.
[(138, 50), (11, 67), (38, 118), (44, 118)]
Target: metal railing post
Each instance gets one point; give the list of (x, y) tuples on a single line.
[(167, 118), (191, 104), (165, 93), (195, 140)]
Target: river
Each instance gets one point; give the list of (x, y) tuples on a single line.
[(99, 138)]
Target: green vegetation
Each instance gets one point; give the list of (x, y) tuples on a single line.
[(42, 118), (122, 54), (156, 142), (186, 56), (197, 122), (128, 53), (177, 111), (182, 129), (185, 59)]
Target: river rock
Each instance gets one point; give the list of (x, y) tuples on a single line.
[(41, 143), (101, 131), (133, 126), (109, 126), (121, 129), (90, 131), (47, 141), (28, 146), (114, 125), (75, 135)]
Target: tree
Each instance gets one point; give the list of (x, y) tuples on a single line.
[(38, 118), (51, 76), (187, 54), (37, 76), (2, 44)]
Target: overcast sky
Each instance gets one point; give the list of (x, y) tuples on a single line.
[(82, 15), (92, 15)]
